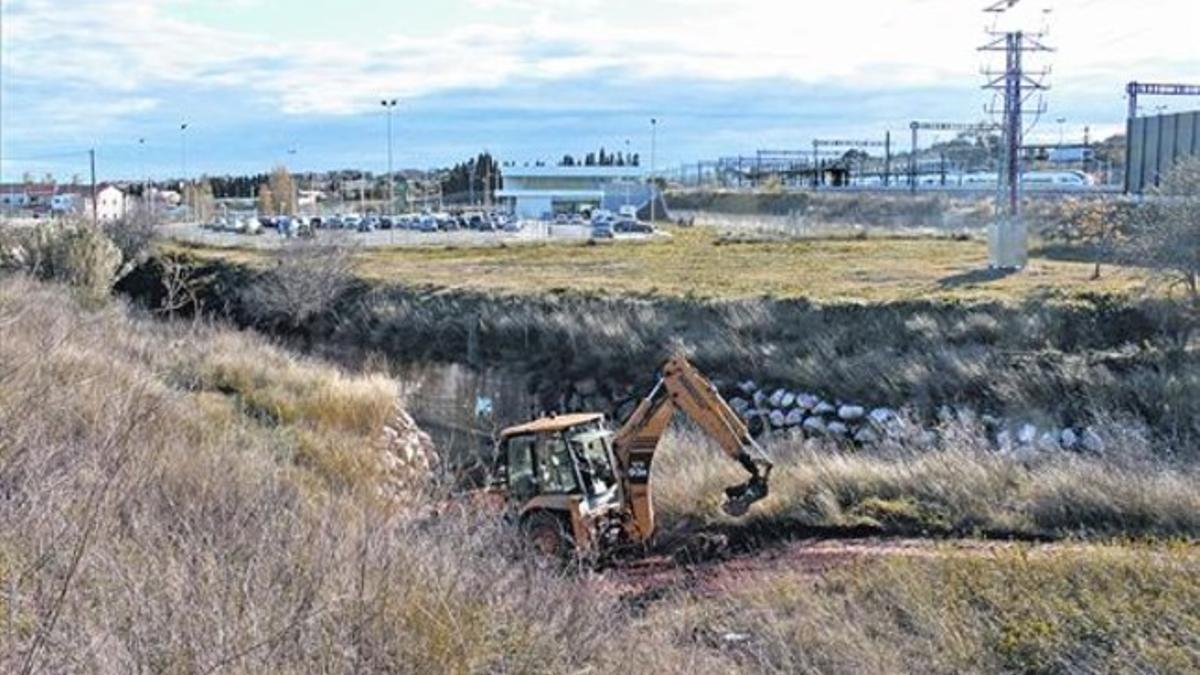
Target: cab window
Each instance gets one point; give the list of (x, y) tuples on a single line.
[(519, 472), (557, 470)]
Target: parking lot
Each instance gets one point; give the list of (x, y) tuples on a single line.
[(530, 231)]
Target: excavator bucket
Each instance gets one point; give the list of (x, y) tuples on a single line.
[(738, 498)]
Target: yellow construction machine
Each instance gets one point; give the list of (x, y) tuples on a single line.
[(577, 486)]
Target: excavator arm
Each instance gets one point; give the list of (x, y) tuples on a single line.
[(683, 388)]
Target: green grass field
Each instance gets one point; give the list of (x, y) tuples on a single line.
[(699, 262)]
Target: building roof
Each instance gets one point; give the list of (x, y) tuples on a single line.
[(552, 424), (573, 172)]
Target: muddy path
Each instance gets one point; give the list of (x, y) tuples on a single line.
[(640, 582)]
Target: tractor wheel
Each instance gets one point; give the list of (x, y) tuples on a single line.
[(549, 536)]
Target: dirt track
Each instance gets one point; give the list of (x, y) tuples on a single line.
[(644, 580)]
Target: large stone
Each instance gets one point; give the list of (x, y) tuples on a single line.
[(824, 408), (1069, 439), (778, 419), (795, 417), (1091, 441), (1026, 434), (815, 425), (776, 399), (882, 416), (851, 413), (1049, 441), (807, 401), (788, 400), (748, 387), (1004, 440), (838, 429), (739, 405), (760, 398), (866, 436)]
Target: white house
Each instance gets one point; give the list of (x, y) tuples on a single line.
[(531, 192), (111, 203), (67, 202)]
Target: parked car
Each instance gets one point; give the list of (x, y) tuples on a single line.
[(368, 224), (602, 230), (351, 222), (386, 222), (630, 226), (427, 223)]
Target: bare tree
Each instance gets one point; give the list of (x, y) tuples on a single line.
[(1166, 238), (306, 281), (1168, 229), (283, 191), (180, 286), (266, 200)]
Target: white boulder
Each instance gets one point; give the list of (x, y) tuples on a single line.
[(1026, 434), (882, 416), (837, 429), (851, 413), (866, 436), (1068, 439), (1091, 441), (824, 408), (778, 419), (788, 400), (807, 401), (795, 417), (815, 425), (776, 399)]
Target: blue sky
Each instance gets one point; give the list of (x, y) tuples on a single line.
[(530, 79)]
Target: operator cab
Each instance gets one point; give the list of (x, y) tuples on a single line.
[(565, 455)]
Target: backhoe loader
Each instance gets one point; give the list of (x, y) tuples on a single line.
[(576, 486)]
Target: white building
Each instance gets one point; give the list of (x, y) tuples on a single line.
[(532, 192), (111, 203)]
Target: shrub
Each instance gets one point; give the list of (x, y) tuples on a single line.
[(72, 253)]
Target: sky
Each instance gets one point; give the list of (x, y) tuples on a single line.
[(264, 82)]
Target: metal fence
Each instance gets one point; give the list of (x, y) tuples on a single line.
[(1155, 144)]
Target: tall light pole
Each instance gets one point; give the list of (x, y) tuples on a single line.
[(389, 105), (653, 184), (183, 149), (1062, 135)]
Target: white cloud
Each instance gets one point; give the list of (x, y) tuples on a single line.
[(123, 47)]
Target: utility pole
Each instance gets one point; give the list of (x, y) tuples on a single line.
[(389, 105), (145, 177), (887, 159), (653, 181), (1008, 243), (95, 206)]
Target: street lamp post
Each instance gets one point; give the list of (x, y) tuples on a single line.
[(1061, 131), (183, 149), (389, 105), (653, 185)]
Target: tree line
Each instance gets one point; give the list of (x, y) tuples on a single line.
[(602, 158), (477, 176)]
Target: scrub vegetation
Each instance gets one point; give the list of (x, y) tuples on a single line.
[(183, 498)]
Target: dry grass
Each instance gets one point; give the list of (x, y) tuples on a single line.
[(698, 262), (158, 515), (959, 487), (1112, 609)]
